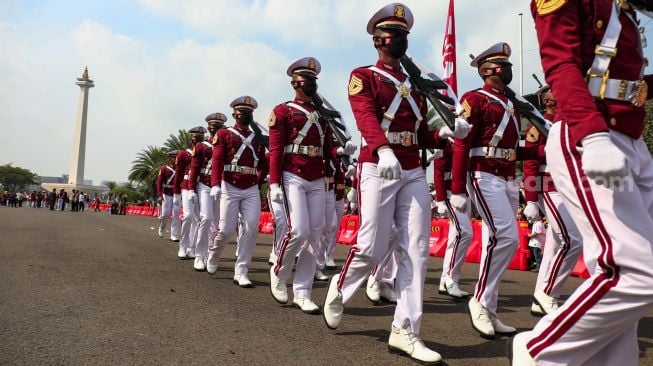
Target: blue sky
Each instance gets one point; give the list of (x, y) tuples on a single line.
[(163, 65)]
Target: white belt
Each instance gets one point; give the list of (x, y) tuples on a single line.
[(206, 171), (494, 152), (167, 186), (303, 150), (634, 92), (240, 169)]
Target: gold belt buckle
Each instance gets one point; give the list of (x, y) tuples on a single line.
[(312, 151), (511, 155), (640, 93), (406, 139)]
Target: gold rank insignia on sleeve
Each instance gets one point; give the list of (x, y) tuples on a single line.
[(467, 109), (545, 7), (355, 85), (272, 120), (532, 135)]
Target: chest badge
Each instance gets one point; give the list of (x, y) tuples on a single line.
[(404, 90)]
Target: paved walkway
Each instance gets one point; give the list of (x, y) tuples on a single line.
[(91, 288)]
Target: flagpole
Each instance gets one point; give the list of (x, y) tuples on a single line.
[(521, 56)]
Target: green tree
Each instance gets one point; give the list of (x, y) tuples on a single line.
[(179, 142), (110, 184), (133, 193), (14, 178), (145, 168), (648, 129)]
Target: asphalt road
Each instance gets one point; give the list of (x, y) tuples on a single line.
[(91, 288)]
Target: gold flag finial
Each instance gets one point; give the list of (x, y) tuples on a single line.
[(85, 74)]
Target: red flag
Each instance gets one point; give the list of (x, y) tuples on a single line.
[(449, 50)]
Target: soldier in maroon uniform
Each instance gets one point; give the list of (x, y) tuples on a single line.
[(484, 164), (460, 226), (563, 241), (238, 165), (592, 57), (300, 140), (165, 191), (199, 185), (392, 186), (190, 216)]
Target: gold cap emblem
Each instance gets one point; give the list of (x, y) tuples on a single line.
[(311, 64), (248, 100), (506, 49), (399, 11)]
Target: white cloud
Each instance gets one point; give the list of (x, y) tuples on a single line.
[(148, 90)]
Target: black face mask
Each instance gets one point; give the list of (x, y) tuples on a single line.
[(310, 87), (245, 119), (398, 46), (506, 75)]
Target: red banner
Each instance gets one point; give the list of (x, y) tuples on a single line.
[(449, 50)]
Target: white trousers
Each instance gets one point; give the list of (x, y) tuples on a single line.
[(597, 325), (386, 271), (304, 207), (189, 220), (563, 246), (330, 228), (209, 217), (165, 210), (240, 210), (280, 227), (340, 210), (497, 200), (406, 203), (460, 236)]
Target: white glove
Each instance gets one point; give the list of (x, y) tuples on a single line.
[(276, 195), (351, 170), (459, 201), (353, 206), (388, 166), (462, 128), (442, 208), (348, 149), (430, 156), (215, 192), (531, 211), (192, 197), (176, 199), (602, 161), (352, 196)]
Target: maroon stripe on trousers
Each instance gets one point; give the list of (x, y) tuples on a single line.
[(353, 250), (562, 254), (485, 266), (456, 242), (286, 238), (602, 282)]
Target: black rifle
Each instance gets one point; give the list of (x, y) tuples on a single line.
[(263, 140), (429, 88), (528, 111), (330, 116)]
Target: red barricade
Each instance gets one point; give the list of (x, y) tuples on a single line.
[(266, 223), (438, 237), (348, 230), (521, 259), (579, 269)]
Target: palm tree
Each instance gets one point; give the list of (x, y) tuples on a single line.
[(179, 142), (145, 168)]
